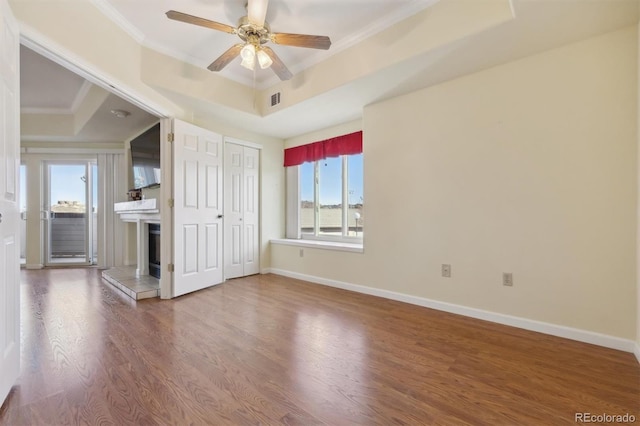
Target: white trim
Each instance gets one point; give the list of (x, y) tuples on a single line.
[(524, 323), (34, 110), (71, 150), (636, 351), (513, 9), (292, 202), (34, 266), (240, 142), (325, 245), (166, 214)]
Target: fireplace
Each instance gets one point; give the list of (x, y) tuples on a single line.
[(154, 250)]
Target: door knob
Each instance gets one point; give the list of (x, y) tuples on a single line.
[(219, 216)]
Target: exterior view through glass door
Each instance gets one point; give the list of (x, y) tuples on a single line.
[(70, 213)]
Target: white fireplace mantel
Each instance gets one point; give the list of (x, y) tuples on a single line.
[(132, 211), (141, 212)]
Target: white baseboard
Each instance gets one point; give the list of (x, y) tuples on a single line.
[(34, 266), (636, 351), (524, 323)]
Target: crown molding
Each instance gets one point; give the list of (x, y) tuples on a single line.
[(369, 30), (48, 111), (112, 13)]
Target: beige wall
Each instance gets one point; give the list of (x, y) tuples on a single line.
[(320, 135), (528, 168)]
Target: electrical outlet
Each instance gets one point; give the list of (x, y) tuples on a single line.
[(301, 252), (507, 279), (446, 270)]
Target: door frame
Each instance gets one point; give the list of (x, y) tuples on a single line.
[(88, 163)]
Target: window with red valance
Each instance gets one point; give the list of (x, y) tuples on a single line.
[(341, 145), (325, 191)]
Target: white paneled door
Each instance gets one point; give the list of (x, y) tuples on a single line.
[(241, 242), (9, 213), (197, 212)]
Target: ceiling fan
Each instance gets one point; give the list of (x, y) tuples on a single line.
[(254, 31)]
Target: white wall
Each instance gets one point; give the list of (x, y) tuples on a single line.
[(272, 190), (637, 348), (528, 168)]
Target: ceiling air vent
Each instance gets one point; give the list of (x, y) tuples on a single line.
[(275, 99)]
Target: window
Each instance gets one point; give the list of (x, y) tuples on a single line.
[(325, 192), (331, 198)]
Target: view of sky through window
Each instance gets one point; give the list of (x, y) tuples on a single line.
[(331, 177)]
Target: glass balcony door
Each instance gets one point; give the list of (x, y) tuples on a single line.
[(69, 213)]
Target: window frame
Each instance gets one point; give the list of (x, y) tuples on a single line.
[(316, 235)]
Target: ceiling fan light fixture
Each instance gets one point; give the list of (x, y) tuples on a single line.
[(263, 59), (255, 32), (249, 64), (248, 51), (248, 55)]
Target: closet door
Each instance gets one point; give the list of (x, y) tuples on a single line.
[(251, 214), (241, 242)]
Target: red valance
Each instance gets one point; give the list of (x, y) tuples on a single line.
[(341, 145)]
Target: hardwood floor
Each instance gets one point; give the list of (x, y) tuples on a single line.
[(272, 350)]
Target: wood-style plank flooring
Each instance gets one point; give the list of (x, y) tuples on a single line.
[(270, 350)]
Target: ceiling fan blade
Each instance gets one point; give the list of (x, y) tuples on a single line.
[(190, 19), (257, 11), (302, 40), (278, 67), (224, 59)]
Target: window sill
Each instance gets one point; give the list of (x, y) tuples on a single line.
[(325, 245)]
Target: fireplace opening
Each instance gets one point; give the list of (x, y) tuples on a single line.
[(154, 250)]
